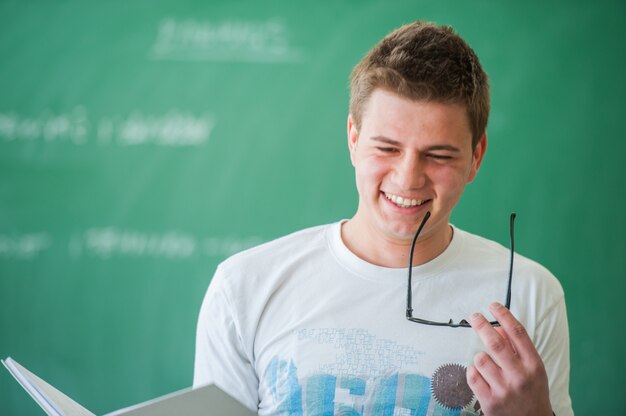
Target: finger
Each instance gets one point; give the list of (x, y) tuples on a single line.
[(515, 331), (504, 335), (495, 343), (489, 370), (478, 384)]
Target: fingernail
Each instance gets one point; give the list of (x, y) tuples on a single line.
[(495, 306)]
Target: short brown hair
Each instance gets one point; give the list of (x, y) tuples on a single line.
[(423, 61)]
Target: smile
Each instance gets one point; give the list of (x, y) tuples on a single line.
[(404, 202)]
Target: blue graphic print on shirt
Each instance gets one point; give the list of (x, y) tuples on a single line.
[(338, 391)]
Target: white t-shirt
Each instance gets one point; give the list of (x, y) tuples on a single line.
[(302, 326)]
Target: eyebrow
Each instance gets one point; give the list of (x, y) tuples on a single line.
[(387, 140), (434, 147)]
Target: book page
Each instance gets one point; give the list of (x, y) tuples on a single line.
[(51, 400), (204, 401)]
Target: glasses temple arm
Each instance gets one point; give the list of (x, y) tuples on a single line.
[(409, 300), (512, 246)]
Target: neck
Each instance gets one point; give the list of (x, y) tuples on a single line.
[(381, 250)]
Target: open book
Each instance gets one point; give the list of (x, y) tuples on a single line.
[(207, 400)]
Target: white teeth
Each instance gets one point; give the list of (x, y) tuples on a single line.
[(404, 202)]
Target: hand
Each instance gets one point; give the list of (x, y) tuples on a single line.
[(514, 381)]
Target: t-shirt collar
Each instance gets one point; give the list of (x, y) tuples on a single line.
[(369, 271)]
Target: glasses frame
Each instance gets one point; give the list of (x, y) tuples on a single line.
[(463, 323)]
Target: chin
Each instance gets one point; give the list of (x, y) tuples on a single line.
[(404, 233)]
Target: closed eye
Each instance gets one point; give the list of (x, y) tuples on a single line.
[(387, 149), (442, 152), (440, 157)]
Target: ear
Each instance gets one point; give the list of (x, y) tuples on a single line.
[(477, 157), (353, 137)]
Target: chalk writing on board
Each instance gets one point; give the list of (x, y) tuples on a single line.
[(175, 128), (109, 242), (72, 126), (226, 40), (172, 128), (23, 246), (106, 242)]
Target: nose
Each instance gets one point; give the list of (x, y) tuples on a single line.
[(410, 172)]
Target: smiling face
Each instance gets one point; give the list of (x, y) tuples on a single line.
[(410, 157)]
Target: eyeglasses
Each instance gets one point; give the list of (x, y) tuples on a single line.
[(463, 323)]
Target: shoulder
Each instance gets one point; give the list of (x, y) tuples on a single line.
[(273, 261), (247, 281), (281, 248)]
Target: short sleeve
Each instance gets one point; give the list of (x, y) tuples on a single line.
[(552, 343), (220, 357)]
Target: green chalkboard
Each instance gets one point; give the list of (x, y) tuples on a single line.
[(141, 143)]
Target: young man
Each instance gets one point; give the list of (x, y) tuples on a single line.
[(315, 322)]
